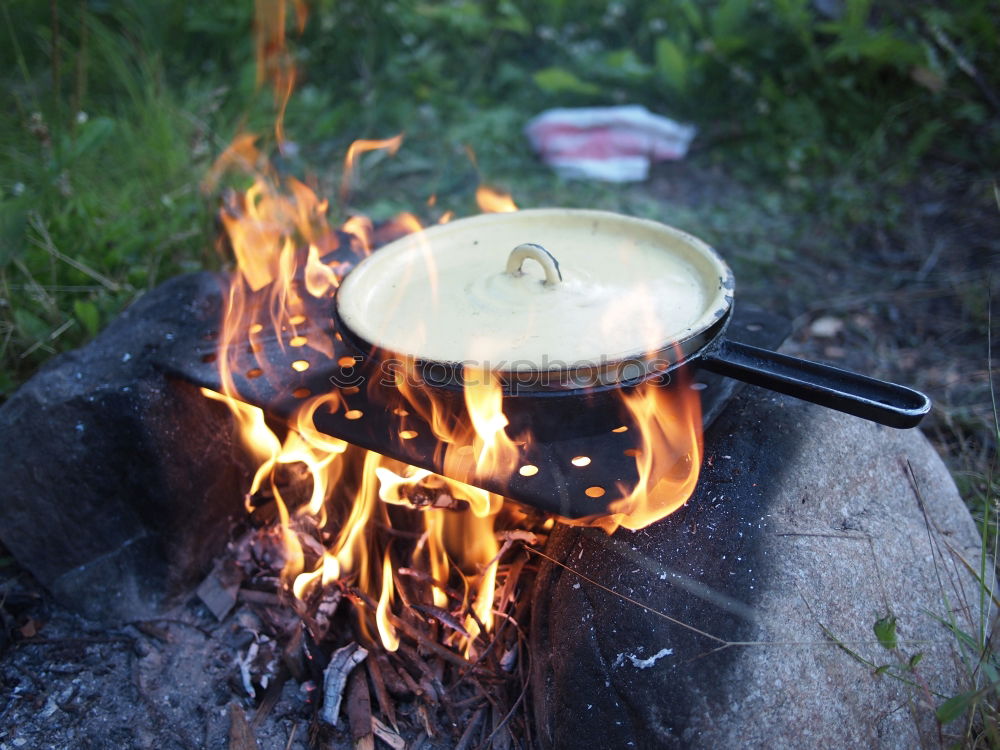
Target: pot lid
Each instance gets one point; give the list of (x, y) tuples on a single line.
[(539, 289)]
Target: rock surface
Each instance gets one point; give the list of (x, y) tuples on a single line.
[(805, 527), (120, 482)]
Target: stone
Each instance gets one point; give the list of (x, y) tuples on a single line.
[(121, 482), (806, 528)]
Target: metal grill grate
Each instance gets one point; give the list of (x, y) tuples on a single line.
[(377, 418)]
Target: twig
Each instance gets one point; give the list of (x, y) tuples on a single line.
[(387, 735), (964, 64), (441, 615), (427, 578), (174, 621), (39, 291), (271, 697), (53, 335), (436, 648), (335, 676), (503, 722), (381, 694), (241, 735), (161, 721), (724, 644), (466, 739), (359, 711), (630, 600), (46, 244), (252, 596)]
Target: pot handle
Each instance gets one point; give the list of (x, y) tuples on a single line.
[(868, 398)]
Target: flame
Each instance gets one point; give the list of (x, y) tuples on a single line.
[(274, 62), (494, 201), (354, 152), (495, 453), (386, 631), (668, 458), (282, 243)]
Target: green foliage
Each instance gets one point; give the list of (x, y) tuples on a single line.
[(885, 632), (955, 707), (562, 81), (775, 85), (99, 197)]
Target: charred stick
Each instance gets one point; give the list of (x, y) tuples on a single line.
[(271, 697), (467, 701), (441, 615), (427, 686), (393, 682), (292, 656), (510, 713), (381, 694), (359, 710), (425, 577), (425, 719), (266, 598), (387, 735), (465, 741), (341, 663), (411, 684), (241, 734), (436, 648), (510, 584)]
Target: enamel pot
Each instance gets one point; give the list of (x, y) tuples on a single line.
[(564, 303)]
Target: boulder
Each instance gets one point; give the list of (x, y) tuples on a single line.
[(120, 482), (750, 613)]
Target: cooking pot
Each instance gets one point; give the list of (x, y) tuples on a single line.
[(564, 302)]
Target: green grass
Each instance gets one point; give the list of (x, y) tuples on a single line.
[(96, 204)]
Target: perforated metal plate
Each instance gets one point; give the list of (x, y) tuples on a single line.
[(282, 377)]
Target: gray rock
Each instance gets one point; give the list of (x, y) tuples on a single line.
[(119, 482), (805, 526)]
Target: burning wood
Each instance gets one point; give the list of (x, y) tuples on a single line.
[(426, 686), (341, 663)]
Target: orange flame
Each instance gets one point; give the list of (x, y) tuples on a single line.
[(274, 62), (494, 201), (354, 152), (495, 453), (668, 458), (386, 631)]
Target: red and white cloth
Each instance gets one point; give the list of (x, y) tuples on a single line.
[(613, 144)]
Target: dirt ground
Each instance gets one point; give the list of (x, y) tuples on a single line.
[(906, 299)]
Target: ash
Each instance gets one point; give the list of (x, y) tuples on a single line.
[(261, 672)]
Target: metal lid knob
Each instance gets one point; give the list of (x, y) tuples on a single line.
[(537, 253)]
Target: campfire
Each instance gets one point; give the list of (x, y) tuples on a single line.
[(387, 497)]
